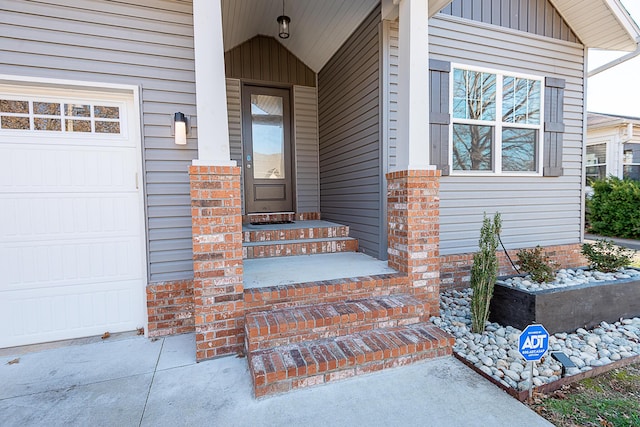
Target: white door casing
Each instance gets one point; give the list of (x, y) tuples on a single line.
[(72, 240)]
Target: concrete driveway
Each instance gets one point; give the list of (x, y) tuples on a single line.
[(133, 381)]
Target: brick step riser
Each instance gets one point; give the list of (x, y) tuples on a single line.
[(294, 234), (279, 297), (293, 249), (279, 217), (265, 343), (286, 368)]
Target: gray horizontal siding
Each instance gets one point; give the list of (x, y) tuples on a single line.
[(544, 211), (149, 44), (535, 210), (234, 117), (305, 116), (349, 124), (534, 16)]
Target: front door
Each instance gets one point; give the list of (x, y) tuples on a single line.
[(267, 149)]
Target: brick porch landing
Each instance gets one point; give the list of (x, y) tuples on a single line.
[(264, 272)]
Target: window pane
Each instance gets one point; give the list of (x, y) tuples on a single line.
[(15, 123), (9, 106), (102, 112), (46, 124), (107, 127), (268, 136), (46, 108), (474, 95), (521, 101), (631, 153), (77, 110), (596, 172), (78, 126), (519, 150), (596, 154), (472, 147), (631, 172)]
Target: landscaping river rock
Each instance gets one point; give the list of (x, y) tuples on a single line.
[(495, 351), (568, 277)]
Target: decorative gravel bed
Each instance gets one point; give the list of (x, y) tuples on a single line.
[(568, 277), (495, 352)]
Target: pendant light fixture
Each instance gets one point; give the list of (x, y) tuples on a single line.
[(283, 24)]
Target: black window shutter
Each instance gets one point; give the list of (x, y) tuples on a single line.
[(439, 114), (553, 126)]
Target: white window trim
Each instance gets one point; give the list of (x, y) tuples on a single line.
[(497, 124)]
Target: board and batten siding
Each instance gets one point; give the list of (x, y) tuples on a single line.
[(349, 123), (264, 59), (535, 210), (149, 44), (533, 16)]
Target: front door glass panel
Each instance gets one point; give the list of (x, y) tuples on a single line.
[(267, 126)]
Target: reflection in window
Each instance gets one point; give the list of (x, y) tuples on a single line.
[(474, 95), (521, 101), (36, 115), (631, 163), (472, 147), (8, 122), (489, 142), (267, 127), (40, 123), (596, 162), (519, 150)]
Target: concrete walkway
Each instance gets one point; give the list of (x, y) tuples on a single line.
[(132, 381), (627, 243)]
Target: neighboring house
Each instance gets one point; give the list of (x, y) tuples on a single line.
[(613, 146), (404, 120)]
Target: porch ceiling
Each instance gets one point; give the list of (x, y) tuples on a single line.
[(318, 27)]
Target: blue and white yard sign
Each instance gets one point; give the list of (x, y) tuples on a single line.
[(534, 342)]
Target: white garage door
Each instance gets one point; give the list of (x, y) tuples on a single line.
[(72, 255)]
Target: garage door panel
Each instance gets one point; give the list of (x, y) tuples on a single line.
[(67, 263), (52, 314), (46, 217), (63, 168), (72, 243)]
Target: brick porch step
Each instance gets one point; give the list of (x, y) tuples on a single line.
[(324, 291), (275, 328), (277, 248), (311, 229), (292, 366)]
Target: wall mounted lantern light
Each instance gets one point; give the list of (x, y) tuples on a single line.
[(180, 128), (283, 24)]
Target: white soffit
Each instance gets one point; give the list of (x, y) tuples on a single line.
[(600, 24)]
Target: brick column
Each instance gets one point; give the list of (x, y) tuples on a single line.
[(216, 219), (413, 214)]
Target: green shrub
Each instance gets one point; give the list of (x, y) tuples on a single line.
[(537, 264), (605, 256), (614, 208), (484, 272)]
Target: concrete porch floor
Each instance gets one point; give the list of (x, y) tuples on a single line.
[(133, 381), (263, 272)]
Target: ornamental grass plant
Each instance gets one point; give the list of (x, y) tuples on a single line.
[(484, 272)]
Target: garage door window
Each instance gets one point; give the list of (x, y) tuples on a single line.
[(37, 115)]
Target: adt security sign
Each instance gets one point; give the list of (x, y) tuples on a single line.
[(534, 342)]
